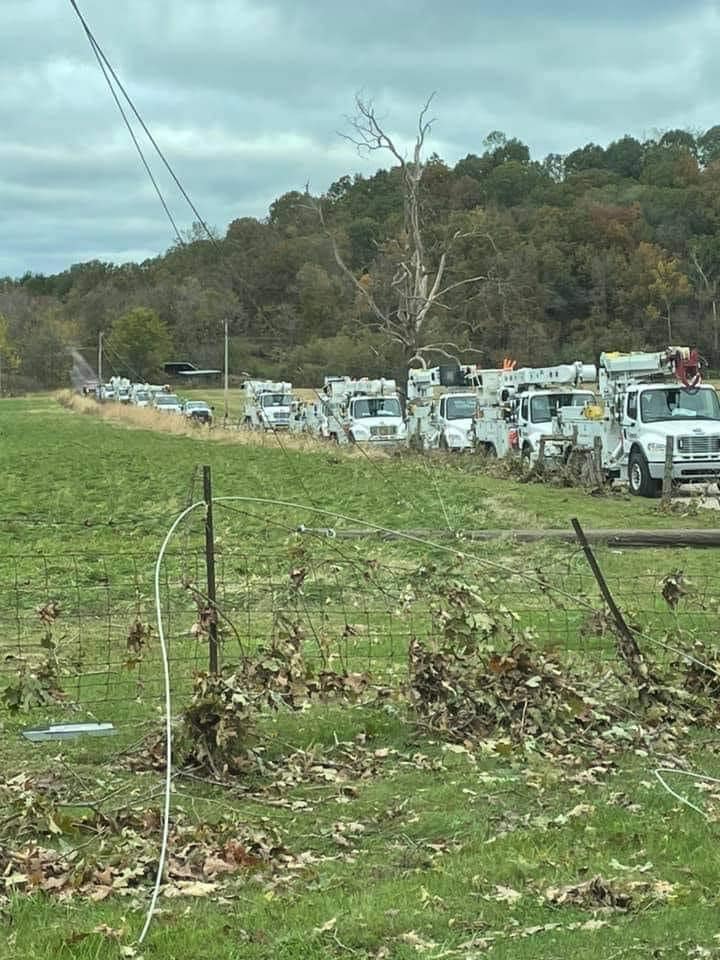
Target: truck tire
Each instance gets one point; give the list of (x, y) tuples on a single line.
[(639, 480), (490, 451), (526, 453)]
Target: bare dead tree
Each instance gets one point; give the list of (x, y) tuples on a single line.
[(419, 286), (710, 294)]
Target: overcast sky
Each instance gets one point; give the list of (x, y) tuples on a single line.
[(246, 98)]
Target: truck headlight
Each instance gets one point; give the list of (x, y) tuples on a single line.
[(361, 433), (654, 447)]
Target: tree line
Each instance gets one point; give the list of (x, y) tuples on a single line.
[(614, 247)]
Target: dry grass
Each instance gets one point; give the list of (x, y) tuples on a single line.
[(145, 418)]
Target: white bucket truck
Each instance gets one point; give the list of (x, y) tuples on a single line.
[(267, 404), (442, 404), (517, 408), (497, 411), (356, 411), (644, 398)]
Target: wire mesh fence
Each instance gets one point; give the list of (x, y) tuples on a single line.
[(88, 621)]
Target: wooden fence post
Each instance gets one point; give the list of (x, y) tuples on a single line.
[(210, 569), (667, 476)]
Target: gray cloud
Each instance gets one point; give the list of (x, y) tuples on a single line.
[(247, 98)]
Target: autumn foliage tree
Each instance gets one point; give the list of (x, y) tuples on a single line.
[(139, 343), (610, 247)]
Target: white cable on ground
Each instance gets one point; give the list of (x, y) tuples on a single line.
[(168, 720), (683, 773)]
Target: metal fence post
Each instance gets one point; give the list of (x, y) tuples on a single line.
[(210, 569)]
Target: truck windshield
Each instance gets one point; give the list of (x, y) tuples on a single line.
[(545, 407), (167, 400), (460, 408), (375, 407), (275, 400), (674, 403)]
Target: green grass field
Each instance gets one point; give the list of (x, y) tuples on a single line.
[(390, 843)]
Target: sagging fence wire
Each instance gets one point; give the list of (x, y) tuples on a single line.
[(97, 607)]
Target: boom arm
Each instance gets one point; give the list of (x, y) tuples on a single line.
[(564, 373), (681, 363)]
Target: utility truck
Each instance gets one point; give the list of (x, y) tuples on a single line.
[(267, 404), (349, 410), (499, 411), (644, 399), (516, 408), (442, 404), (121, 389)]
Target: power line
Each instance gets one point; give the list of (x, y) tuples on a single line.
[(106, 66), (100, 56), (109, 71)]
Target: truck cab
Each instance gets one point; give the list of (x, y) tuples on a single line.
[(691, 417), (267, 405), (535, 414), (374, 419), (451, 420)]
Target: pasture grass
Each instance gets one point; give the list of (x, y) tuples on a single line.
[(449, 854), (455, 851)]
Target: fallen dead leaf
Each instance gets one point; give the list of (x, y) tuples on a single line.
[(506, 894), (190, 888), (593, 894), (413, 940)]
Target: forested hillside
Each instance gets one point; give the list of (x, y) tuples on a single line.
[(605, 248)]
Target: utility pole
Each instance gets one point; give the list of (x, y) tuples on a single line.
[(225, 417), (99, 363)]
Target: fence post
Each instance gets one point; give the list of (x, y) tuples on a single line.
[(597, 460), (627, 644), (210, 570), (667, 476)]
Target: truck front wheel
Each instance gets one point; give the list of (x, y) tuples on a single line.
[(639, 479)]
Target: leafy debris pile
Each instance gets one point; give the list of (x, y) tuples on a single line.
[(462, 687), (121, 856), (700, 666), (219, 725), (522, 692), (593, 894)]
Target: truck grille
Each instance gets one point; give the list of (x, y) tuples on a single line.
[(386, 431), (699, 444)]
